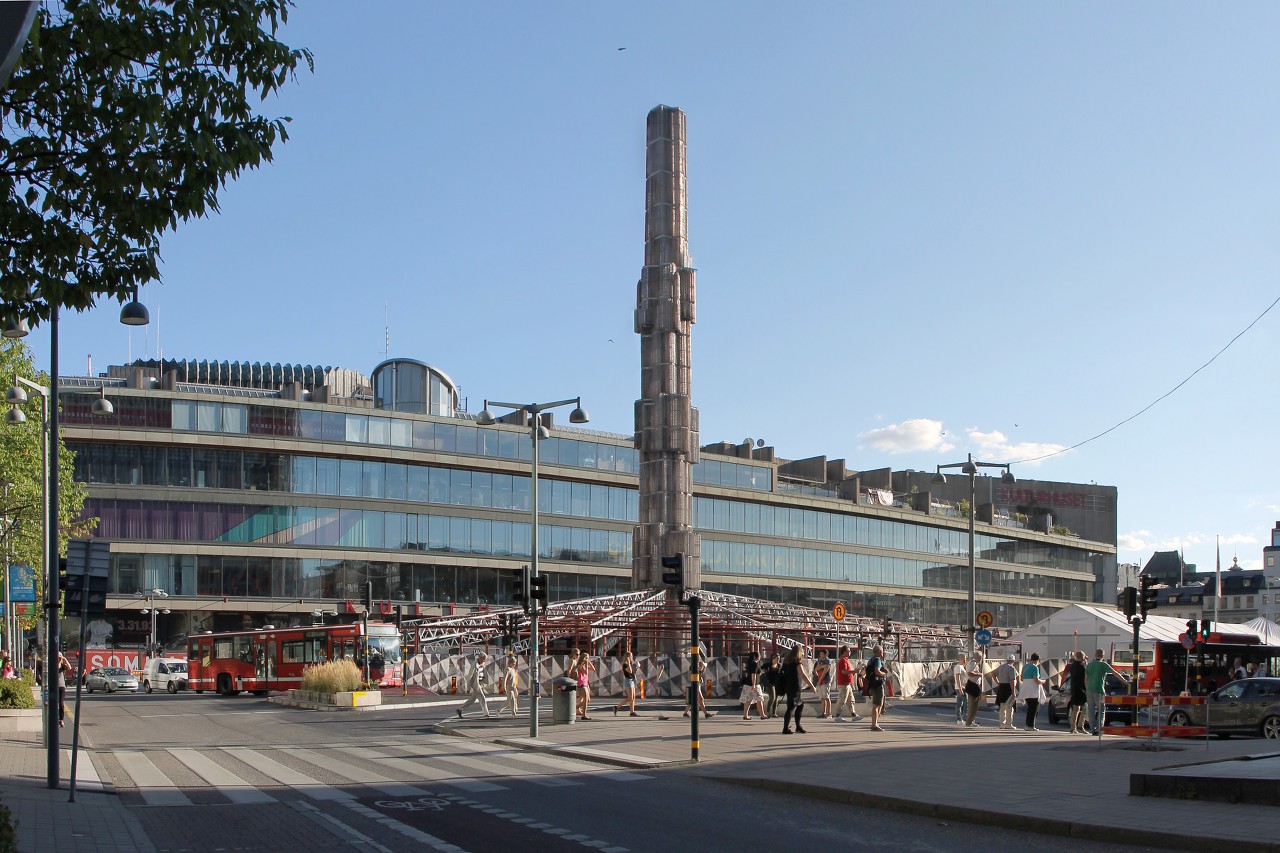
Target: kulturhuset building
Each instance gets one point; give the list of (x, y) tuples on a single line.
[(259, 494)]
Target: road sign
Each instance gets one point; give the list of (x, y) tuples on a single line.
[(837, 612), (982, 637), (1188, 641), (985, 619)]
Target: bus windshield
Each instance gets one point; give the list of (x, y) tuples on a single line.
[(386, 649)]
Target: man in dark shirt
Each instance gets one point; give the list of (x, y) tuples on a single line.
[(876, 675)]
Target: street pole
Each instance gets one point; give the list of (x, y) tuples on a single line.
[(973, 565), (695, 676), (534, 686), (1133, 682), (52, 549)]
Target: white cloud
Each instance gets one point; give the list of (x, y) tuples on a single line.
[(997, 445), (1240, 539), (1133, 541), (909, 436)]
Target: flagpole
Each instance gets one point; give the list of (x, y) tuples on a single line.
[(1217, 591)]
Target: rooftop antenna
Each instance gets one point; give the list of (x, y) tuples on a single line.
[(386, 332), (90, 364)]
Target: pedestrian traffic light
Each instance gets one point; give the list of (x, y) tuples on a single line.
[(520, 587), (1193, 630), (1147, 595), (1206, 627), (673, 569), (1127, 601)]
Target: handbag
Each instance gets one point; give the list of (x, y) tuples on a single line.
[(1041, 696)]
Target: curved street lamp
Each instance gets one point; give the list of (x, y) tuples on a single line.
[(537, 432), (970, 467)]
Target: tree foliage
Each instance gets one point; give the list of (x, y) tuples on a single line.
[(22, 475), (123, 118)]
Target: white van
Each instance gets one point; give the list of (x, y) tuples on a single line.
[(165, 674)]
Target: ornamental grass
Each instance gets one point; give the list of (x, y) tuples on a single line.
[(339, 676)]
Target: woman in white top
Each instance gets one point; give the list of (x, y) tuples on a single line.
[(1031, 690)]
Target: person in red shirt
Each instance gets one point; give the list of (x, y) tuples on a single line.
[(845, 682)]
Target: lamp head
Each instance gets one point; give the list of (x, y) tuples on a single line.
[(579, 415), (102, 406), (134, 313), (543, 432), (1007, 477), (969, 468), (15, 328), (15, 396), (144, 611), (15, 416), (486, 418), (939, 478)]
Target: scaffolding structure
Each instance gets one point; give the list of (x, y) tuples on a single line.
[(653, 620)]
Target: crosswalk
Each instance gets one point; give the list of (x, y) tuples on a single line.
[(246, 775)]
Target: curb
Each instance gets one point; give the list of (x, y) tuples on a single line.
[(583, 753), (985, 817)]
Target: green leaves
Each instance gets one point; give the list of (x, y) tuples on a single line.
[(124, 117)]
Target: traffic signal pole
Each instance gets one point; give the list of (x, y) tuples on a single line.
[(1133, 683)]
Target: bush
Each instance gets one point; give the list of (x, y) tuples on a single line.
[(8, 831), (339, 676), (29, 676), (15, 693)]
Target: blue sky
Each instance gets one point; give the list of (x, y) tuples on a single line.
[(921, 229)]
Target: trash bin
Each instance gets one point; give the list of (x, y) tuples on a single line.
[(564, 700)]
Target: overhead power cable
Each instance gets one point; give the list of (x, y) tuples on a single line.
[(1157, 399)]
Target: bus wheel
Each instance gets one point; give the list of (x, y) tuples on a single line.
[(1271, 728), (224, 685), (261, 692), (198, 692)]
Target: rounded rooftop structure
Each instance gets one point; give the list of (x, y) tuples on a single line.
[(412, 386)]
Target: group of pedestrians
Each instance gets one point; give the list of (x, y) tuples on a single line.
[(1029, 684), (765, 687)]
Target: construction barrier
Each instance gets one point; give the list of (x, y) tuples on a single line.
[(1156, 730)]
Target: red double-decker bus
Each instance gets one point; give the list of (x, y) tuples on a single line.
[(267, 659)]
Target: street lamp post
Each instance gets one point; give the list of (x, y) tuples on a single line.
[(133, 313), (154, 611), (970, 467), (537, 432)]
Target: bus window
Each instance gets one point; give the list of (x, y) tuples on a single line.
[(222, 648), (243, 652)]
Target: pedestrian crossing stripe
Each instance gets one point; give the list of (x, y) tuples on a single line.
[(399, 770)]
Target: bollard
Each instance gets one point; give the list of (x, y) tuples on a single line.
[(453, 684)]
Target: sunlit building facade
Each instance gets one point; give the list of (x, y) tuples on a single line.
[(271, 495)]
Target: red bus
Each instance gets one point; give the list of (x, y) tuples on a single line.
[(1176, 669), (267, 659)]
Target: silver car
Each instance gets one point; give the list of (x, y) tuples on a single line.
[(1250, 706), (110, 679)]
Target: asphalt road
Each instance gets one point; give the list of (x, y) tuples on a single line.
[(383, 781)]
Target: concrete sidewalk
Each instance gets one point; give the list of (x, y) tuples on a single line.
[(45, 819), (1048, 781)]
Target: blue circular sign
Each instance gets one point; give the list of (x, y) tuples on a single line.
[(982, 637)]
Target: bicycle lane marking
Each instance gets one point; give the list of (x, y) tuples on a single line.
[(481, 827)]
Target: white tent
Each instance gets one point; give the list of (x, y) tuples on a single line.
[(1267, 630), (1087, 627)]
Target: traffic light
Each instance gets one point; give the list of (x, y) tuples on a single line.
[(520, 587), (1147, 595), (673, 570), (368, 597), (1127, 601), (1206, 627), (1193, 630), (538, 589), (83, 574)]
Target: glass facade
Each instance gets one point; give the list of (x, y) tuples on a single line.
[(403, 385)]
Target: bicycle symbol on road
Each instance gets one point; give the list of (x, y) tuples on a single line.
[(421, 804)]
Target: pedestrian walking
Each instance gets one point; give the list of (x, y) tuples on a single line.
[(1006, 685), (64, 670), (876, 674), (751, 692), (822, 680), (844, 684), (628, 685), (959, 676), (477, 681), (973, 691), (1031, 690), (511, 685), (1079, 693), (771, 681), (582, 674), (792, 675), (700, 691)]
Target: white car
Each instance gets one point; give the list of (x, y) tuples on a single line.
[(110, 679)]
